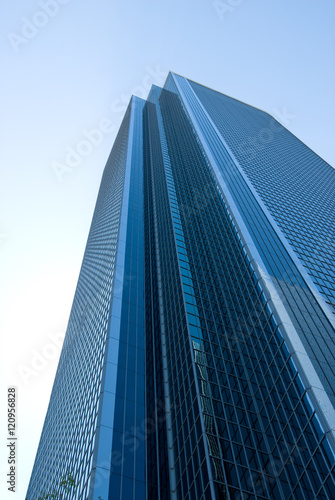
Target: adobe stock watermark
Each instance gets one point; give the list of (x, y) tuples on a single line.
[(3, 237), (254, 144), (226, 7), (122, 280), (127, 446), (31, 27), (199, 201), (74, 156), (327, 245), (40, 359), (91, 139), (129, 442), (290, 454)]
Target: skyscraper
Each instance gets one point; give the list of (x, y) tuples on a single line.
[(199, 359)]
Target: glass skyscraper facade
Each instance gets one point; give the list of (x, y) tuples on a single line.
[(199, 360)]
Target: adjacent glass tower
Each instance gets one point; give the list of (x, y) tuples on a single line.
[(199, 361)]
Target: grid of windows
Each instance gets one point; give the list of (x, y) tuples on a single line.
[(177, 372), (187, 458), (127, 478), (315, 330), (101, 367), (157, 443), (299, 187), (256, 410), (76, 389)]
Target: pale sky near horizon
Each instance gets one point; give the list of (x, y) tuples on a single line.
[(69, 67)]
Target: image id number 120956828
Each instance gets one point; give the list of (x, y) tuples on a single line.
[(11, 439)]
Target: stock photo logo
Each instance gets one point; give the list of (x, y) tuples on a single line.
[(251, 147), (224, 8), (40, 358), (91, 139), (31, 26), (3, 237)]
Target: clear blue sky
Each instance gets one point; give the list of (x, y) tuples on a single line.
[(69, 67)]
